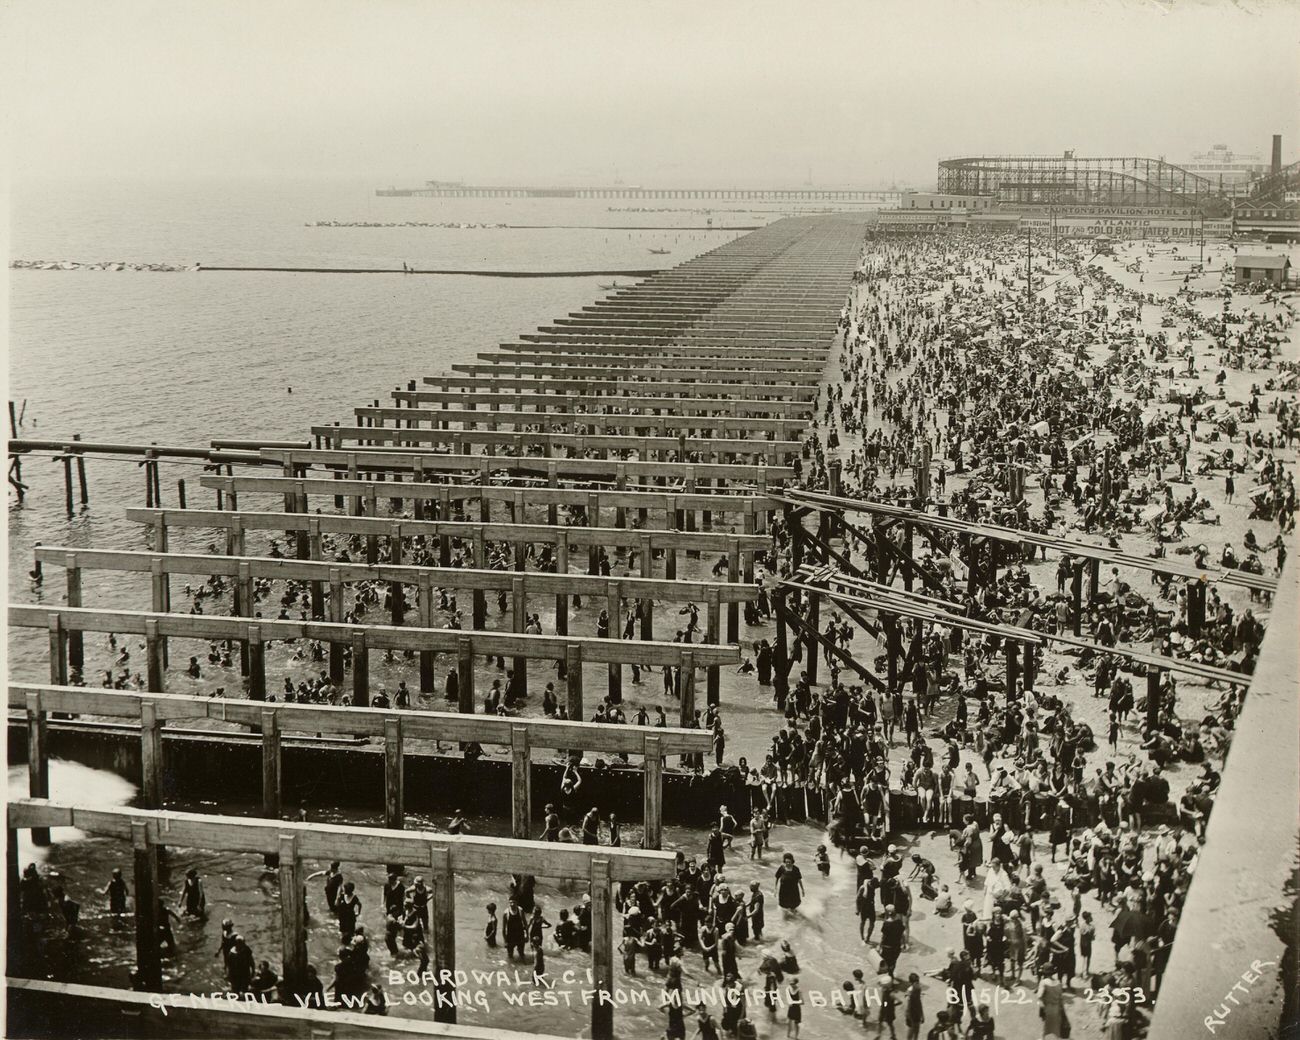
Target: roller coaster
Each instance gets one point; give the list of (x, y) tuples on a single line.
[(1127, 181)]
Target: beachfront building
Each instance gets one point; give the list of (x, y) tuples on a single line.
[(1274, 269)]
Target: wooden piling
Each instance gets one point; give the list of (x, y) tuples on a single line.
[(713, 674), (465, 674), (520, 784), (151, 757), (81, 474), (653, 794), (148, 963), (442, 925), (688, 688), (602, 950), (272, 782), (336, 615), (38, 764), (573, 672), (519, 609), (76, 642), (428, 680), (394, 779), (293, 920), (67, 483), (256, 663), (360, 669)]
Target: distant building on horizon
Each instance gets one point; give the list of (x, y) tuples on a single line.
[(1230, 172)]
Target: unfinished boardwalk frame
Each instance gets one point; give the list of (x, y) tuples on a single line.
[(155, 626), (394, 726), (442, 855)]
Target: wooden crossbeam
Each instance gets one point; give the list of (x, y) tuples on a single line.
[(684, 407), (405, 460), (743, 426), (524, 440), (515, 534), (664, 501), (377, 637), (284, 569), (892, 601), (623, 384), (1014, 535), (470, 854), (416, 724)]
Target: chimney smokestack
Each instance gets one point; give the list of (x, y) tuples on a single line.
[(1276, 167)]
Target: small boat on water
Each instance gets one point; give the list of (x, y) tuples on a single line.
[(659, 252), (607, 287)]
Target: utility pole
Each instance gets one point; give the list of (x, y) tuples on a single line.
[(1029, 266)]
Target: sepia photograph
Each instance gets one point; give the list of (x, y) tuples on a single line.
[(660, 520)]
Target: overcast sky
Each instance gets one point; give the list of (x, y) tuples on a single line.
[(663, 93)]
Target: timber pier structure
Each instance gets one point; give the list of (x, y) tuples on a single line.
[(670, 414), (455, 189), (668, 418)]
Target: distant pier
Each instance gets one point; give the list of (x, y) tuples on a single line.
[(446, 190)]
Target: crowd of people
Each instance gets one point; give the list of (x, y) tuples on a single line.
[(1068, 803)]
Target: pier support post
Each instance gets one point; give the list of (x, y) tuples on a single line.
[(562, 598), (781, 651), (256, 664), (247, 608), (573, 672), (713, 676), (1013, 667), (1076, 597), (58, 651), (293, 919), (336, 616), (396, 591), (520, 783), (614, 608), (38, 767), (394, 777), (315, 548), (442, 920), (465, 674), (813, 650), (81, 473), (154, 656), (479, 598), (602, 950), (1195, 607), (733, 576), (360, 670), (272, 783), (76, 642), (687, 677), (161, 590), (151, 757), (428, 681), (148, 963), (519, 609), (653, 793)]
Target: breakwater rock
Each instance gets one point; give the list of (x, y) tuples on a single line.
[(100, 265), (402, 223)]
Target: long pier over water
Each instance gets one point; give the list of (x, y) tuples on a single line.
[(448, 190)]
